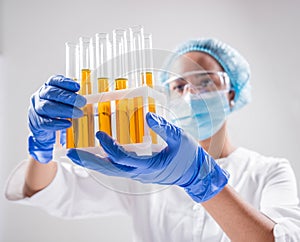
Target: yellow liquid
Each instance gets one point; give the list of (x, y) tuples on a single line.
[(148, 80), (122, 119), (139, 119), (90, 127), (84, 127), (85, 85), (70, 142), (152, 109), (70, 136), (132, 126), (80, 131), (104, 109)]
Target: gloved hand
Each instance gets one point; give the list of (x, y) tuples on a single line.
[(55, 101), (183, 162)]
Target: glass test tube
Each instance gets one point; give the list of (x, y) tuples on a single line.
[(138, 64), (147, 76), (72, 71), (131, 84), (122, 119), (84, 135), (103, 55)]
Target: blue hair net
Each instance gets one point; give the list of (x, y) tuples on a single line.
[(235, 65)]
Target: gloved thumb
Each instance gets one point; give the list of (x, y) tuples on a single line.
[(167, 131)]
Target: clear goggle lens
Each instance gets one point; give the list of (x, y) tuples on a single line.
[(198, 82)]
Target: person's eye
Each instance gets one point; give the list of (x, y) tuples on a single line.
[(179, 88), (206, 83)]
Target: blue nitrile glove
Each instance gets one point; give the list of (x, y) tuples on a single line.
[(49, 107), (183, 162)]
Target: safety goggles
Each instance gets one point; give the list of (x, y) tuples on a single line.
[(198, 82)]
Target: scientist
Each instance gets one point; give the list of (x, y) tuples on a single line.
[(216, 191)]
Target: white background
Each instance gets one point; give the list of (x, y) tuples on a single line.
[(33, 33)]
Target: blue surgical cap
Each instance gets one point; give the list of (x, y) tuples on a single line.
[(233, 63)]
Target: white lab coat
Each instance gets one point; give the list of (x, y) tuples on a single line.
[(167, 213)]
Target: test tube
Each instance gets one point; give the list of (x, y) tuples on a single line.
[(84, 135), (72, 71), (103, 55), (138, 64), (147, 76), (122, 119), (131, 84)]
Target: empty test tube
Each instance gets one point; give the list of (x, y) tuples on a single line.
[(103, 56), (122, 119), (72, 71)]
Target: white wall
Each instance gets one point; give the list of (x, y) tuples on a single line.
[(1, 26), (266, 32), (3, 172)]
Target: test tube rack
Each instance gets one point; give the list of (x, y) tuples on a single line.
[(146, 147), (119, 109)]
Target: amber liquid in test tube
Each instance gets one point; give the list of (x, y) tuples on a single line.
[(139, 119), (148, 80), (122, 118), (122, 115), (147, 77), (138, 65), (131, 84), (104, 108), (87, 139), (72, 71), (84, 133), (103, 56)]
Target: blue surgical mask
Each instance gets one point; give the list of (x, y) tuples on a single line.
[(203, 114)]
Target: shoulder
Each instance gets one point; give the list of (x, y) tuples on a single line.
[(253, 160), (245, 164), (255, 175)]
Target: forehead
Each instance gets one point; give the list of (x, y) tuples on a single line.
[(194, 61)]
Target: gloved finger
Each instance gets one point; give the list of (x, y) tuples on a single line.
[(119, 156), (63, 135), (38, 123), (63, 82), (112, 149), (60, 95), (167, 131), (52, 109), (96, 163)]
